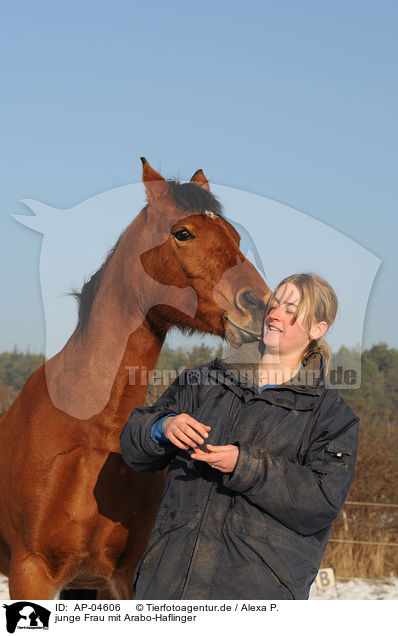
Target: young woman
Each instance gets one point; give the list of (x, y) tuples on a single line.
[(261, 458)]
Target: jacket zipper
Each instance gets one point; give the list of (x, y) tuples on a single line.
[(205, 512), (195, 547)]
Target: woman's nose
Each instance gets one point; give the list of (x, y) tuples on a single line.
[(275, 312)]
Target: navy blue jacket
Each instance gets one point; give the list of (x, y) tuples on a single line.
[(261, 531)]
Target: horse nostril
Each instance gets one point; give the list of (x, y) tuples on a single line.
[(247, 300)]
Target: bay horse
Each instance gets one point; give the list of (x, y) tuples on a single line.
[(71, 511)]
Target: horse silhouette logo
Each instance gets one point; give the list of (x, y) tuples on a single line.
[(26, 615), (75, 241)]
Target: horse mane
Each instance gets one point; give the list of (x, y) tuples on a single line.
[(188, 196), (85, 297)]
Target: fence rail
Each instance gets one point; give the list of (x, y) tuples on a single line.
[(385, 543), (366, 503), (370, 503)]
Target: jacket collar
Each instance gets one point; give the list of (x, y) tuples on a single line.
[(240, 367)]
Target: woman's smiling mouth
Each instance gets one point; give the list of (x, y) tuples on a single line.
[(273, 328)]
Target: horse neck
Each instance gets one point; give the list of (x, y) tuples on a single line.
[(132, 379), (91, 376)]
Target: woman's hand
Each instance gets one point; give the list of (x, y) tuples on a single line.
[(223, 458), (184, 431)]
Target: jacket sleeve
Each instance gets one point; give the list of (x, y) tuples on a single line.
[(306, 497), (138, 448)]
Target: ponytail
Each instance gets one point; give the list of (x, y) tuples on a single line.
[(317, 346)]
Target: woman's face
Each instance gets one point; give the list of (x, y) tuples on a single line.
[(281, 334)]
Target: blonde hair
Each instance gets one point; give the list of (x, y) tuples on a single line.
[(318, 303)]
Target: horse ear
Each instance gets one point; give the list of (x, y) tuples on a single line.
[(156, 187), (200, 179)]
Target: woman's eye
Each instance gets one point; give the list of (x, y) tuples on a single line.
[(183, 235)]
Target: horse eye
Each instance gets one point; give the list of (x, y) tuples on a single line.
[(183, 235)]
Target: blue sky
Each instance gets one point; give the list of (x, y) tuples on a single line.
[(296, 102)]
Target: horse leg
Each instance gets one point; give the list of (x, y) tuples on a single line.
[(107, 592), (122, 584), (29, 579), (5, 557)]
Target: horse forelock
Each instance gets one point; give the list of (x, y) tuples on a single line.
[(192, 197)]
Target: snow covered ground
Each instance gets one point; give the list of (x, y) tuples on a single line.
[(358, 590), (355, 590)]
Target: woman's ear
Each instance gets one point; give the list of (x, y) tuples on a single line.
[(318, 330)]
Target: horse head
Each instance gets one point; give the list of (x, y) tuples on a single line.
[(194, 247)]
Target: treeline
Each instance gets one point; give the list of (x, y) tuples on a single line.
[(378, 393), (15, 368)]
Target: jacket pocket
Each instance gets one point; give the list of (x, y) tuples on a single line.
[(266, 564), (159, 535), (161, 570), (293, 559), (336, 455)]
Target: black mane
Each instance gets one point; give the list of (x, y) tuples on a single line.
[(86, 295), (188, 196)]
